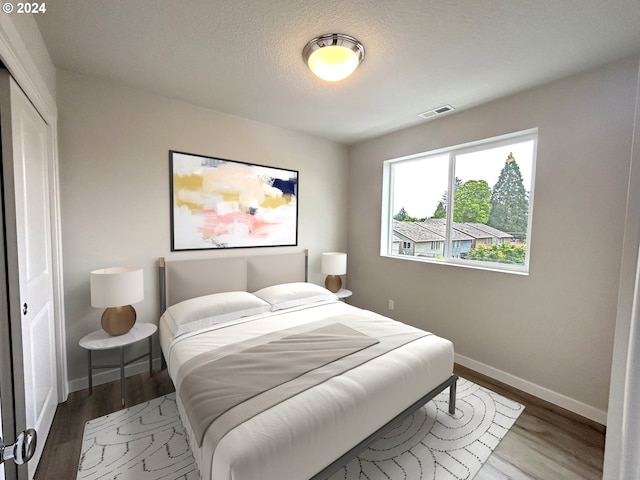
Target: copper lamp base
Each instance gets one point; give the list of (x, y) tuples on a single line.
[(118, 320), (333, 283)]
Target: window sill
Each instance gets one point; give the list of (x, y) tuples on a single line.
[(489, 267)]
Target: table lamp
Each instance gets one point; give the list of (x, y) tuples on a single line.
[(116, 289), (333, 264)]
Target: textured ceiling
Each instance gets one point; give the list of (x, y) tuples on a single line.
[(244, 57)]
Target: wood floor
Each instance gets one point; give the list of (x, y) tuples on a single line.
[(61, 453), (546, 442)]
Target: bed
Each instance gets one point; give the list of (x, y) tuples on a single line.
[(277, 378)]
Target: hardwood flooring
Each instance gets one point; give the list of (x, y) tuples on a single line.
[(61, 453), (546, 442)]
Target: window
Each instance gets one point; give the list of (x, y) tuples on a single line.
[(486, 220)]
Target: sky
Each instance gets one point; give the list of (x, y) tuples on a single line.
[(420, 183)]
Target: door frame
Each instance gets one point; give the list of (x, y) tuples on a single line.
[(15, 54), (8, 429)]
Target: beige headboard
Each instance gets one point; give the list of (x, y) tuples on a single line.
[(184, 279)]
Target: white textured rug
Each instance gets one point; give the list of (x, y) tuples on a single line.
[(147, 442)]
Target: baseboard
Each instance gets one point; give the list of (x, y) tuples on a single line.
[(107, 376), (543, 393)]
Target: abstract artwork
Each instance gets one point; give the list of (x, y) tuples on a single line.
[(218, 203)]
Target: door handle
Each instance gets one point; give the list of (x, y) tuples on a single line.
[(22, 450), (25, 308)]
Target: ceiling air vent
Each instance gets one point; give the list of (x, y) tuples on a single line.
[(436, 111)]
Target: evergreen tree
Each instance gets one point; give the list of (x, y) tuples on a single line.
[(472, 202), (457, 183), (402, 215), (510, 202), (441, 208), (441, 211)]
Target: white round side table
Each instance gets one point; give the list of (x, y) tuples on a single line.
[(343, 293), (101, 340)]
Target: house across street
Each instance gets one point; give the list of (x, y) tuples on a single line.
[(426, 239)]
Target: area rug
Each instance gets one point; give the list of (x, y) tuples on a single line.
[(148, 442)]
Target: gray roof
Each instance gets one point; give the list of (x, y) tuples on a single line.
[(439, 226), (469, 229), (490, 230), (415, 232), (434, 229)]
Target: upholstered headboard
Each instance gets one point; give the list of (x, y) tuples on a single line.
[(184, 279)]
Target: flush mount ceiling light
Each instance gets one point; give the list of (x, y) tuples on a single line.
[(333, 56)]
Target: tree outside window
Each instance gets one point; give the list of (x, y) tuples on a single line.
[(490, 219)]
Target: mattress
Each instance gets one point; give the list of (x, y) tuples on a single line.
[(298, 437)]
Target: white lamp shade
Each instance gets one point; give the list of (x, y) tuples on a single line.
[(334, 263), (117, 286)]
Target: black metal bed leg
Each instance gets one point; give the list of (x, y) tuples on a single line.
[(452, 396)]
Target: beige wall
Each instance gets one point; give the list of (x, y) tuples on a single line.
[(550, 332), (114, 178)]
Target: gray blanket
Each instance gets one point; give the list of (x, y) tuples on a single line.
[(223, 389), (221, 384)]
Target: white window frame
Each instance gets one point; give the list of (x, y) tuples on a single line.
[(386, 238)]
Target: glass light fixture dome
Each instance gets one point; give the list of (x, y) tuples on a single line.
[(333, 56)]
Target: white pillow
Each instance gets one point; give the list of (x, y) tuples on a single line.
[(288, 295), (202, 312)]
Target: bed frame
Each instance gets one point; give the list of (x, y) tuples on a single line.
[(184, 279)]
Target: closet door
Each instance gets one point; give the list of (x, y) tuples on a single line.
[(26, 148)]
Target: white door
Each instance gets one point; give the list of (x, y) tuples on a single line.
[(31, 151)]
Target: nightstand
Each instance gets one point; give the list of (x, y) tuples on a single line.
[(101, 340), (343, 293)]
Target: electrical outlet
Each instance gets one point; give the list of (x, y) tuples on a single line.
[(391, 304)]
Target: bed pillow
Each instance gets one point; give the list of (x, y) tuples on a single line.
[(288, 295), (202, 312)]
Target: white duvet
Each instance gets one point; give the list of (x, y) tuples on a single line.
[(300, 436)]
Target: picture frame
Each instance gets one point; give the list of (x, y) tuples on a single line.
[(218, 203)]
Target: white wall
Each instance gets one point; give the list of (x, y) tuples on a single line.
[(114, 175), (550, 332)]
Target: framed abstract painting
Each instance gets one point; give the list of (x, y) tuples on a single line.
[(218, 203)]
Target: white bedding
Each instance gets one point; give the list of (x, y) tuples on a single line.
[(300, 436)]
